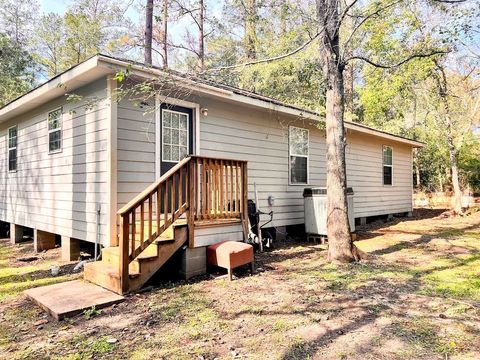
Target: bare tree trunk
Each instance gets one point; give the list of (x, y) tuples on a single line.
[(443, 90), (440, 181), (417, 175), (283, 17), (201, 36), (455, 181), (340, 244), (457, 191), (250, 29), (348, 80), (165, 34), (416, 168), (148, 32), (349, 74)]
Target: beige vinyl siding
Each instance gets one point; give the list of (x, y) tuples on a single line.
[(365, 175), (136, 150), (59, 192), (211, 235), (261, 138)]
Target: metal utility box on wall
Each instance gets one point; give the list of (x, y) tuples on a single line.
[(315, 210)]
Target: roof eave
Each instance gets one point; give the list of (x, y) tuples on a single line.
[(146, 72), (71, 79), (99, 65)]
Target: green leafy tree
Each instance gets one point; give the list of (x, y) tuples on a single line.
[(88, 27), (17, 20), (421, 99), (51, 43), (16, 72), (278, 27), (469, 162)]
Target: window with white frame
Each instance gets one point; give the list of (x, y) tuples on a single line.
[(387, 165), (12, 148), (55, 130), (298, 152), (174, 135)]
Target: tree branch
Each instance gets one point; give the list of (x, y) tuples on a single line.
[(385, 66), (450, 1), (274, 58), (183, 47), (345, 12), (369, 16)]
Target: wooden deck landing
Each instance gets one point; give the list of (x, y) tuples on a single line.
[(71, 298)]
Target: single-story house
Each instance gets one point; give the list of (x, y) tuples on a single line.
[(82, 163)]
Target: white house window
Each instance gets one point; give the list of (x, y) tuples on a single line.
[(174, 135), (12, 149), (298, 140), (55, 131), (387, 165)]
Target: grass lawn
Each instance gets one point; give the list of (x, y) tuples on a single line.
[(417, 297)]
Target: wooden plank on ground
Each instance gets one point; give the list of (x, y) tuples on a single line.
[(71, 298)]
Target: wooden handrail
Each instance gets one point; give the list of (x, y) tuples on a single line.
[(152, 187), (207, 188), (217, 158)]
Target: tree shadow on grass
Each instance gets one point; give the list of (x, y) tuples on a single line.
[(370, 231), (426, 238), (66, 269), (375, 286), (280, 256), (303, 350)]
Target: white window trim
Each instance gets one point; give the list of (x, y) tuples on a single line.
[(54, 130), (383, 165), (161, 135), (159, 99), (11, 148), (305, 156)]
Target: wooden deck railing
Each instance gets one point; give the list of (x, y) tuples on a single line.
[(203, 188), (221, 191)]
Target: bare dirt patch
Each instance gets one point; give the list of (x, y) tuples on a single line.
[(417, 297)]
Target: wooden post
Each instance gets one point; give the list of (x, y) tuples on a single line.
[(16, 233), (172, 198), (124, 256), (142, 225), (238, 196), (245, 190), (165, 205), (203, 181), (180, 188), (232, 191), (245, 199), (70, 248), (191, 199), (134, 229), (213, 189), (150, 216), (159, 201), (43, 240), (222, 207)]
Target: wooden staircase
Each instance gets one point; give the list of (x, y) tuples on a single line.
[(106, 272), (161, 219)]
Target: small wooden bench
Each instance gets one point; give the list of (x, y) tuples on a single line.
[(230, 254)]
